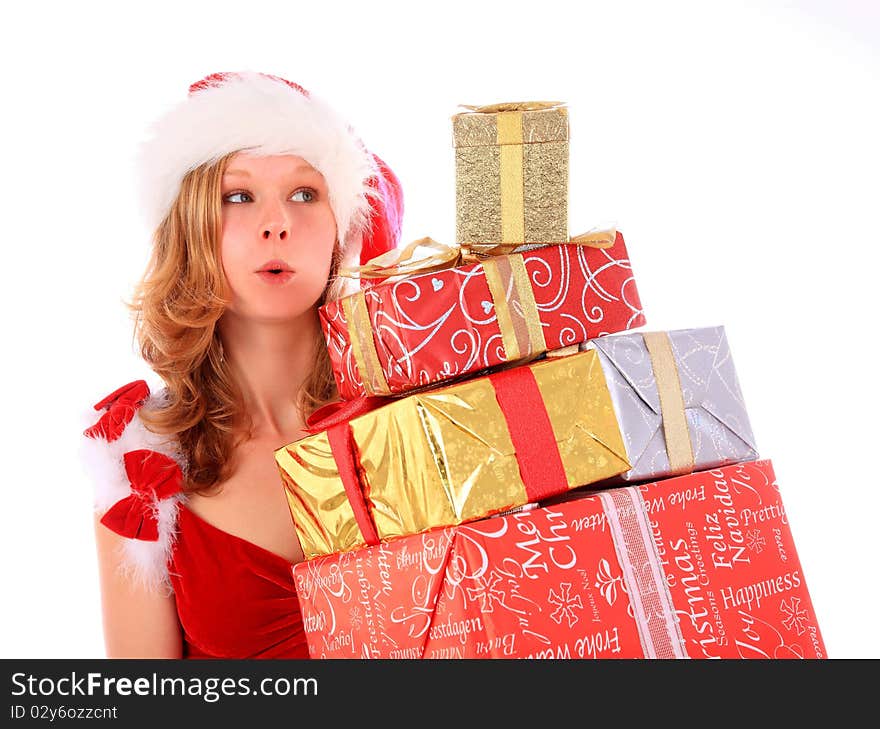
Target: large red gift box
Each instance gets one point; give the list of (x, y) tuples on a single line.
[(698, 566), (420, 330)]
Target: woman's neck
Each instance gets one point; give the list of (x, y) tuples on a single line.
[(271, 362)]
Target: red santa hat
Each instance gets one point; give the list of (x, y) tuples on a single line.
[(267, 115)]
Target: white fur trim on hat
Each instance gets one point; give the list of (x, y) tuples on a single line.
[(265, 116), (145, 562)]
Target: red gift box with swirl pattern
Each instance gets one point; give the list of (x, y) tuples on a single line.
[(420, 330), (697, 566)]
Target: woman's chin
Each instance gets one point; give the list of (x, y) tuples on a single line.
[(271, 315)]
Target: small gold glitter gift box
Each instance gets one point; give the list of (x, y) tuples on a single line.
[(452, 454), (511, 173)]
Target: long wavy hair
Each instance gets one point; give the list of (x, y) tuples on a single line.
[(176, 306)]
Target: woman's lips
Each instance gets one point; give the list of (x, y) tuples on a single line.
[(277, 279)]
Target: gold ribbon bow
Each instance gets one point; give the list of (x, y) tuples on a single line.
[(506, 278), (424, 255), (437, 256), (511, 106)]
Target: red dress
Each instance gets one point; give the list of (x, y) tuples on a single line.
[(234, 598)]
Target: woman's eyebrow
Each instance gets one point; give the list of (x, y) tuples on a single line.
[(245, 173)]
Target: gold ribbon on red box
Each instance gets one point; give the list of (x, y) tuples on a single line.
[(509, 287)]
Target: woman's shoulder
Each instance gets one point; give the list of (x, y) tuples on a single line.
[(137, 477)]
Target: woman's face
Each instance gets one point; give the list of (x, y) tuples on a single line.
[(278, 236)]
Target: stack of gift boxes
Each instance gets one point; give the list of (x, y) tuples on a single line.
[(510, 471)]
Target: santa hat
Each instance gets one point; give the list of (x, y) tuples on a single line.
[(268, 115)]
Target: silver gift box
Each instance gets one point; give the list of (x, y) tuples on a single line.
[(717, 423)]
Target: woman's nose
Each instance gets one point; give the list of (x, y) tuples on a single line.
[(273, 230), (275, 222)]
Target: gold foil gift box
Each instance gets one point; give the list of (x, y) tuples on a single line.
[(452, 454), (511, 173)]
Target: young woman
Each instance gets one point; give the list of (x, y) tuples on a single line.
[(258, 192)]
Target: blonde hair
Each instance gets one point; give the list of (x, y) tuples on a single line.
[(176, 306)]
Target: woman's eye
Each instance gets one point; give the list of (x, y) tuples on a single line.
[(303, 196), (237, 197)]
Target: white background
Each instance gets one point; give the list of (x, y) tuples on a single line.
[(734, 144)]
